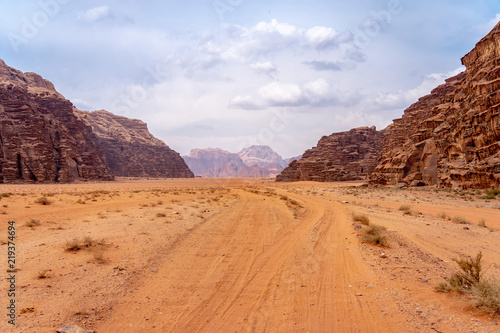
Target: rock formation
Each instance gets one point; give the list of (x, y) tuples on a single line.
[(41, 139), (341, 156), (255, 161), (451, 138), (131, 150)]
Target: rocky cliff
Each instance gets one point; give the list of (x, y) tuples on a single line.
[(256, 161), (41, 139), (131, 150), (341, 156), (451, 138)]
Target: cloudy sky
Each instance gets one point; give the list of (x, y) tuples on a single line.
[(232, 73)]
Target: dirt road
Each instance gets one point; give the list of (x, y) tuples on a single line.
[(256, 268)]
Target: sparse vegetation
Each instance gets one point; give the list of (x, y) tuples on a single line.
[(43, 274), (363, 219), (460, 220), (470, 280), (98, 253), (32, 223), (88, 241), (374, 234), (161, 215), (482, 223), (443, 216), (72, 245), (406, 209), (43, 201)]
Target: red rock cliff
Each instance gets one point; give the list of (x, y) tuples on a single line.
[(451, 138), (41, 140), (131, 150)]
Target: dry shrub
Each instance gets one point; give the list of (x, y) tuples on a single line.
[(43, 201), (374, 234), (485, 294), (460, 220), (363, 219)]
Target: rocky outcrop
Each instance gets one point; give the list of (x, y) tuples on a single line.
[(41, 139), (341, 156), (256, 161), (451, 138), (131, 150)]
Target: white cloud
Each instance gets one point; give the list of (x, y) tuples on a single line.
[(244, 102), (264, 67), (403, 99), (282, 94), (95, 14), (486, 28), (322, 37), (283, 29)]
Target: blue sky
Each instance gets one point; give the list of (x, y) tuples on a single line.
[(232, 73)]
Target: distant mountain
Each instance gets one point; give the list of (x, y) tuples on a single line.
[(208, 162), (255, 161), (263, 156)]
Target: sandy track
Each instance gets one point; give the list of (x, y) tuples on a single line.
[(255, 268)]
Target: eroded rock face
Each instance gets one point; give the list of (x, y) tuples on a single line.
[(131, 150), (41, 139), (341, 156), (451, 137)]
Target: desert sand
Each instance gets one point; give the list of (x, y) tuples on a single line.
[(241, 255)]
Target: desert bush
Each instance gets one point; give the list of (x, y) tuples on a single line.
[(482, 223), (405, 209), (471, 270), (72, 245), (460, 220), (374, 234), (32, 223), (161, 215), (470, 279), (88, 241), (43, 274), (363, 219), (43, 201), (98, 254), (443, 215), (487, 296)]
